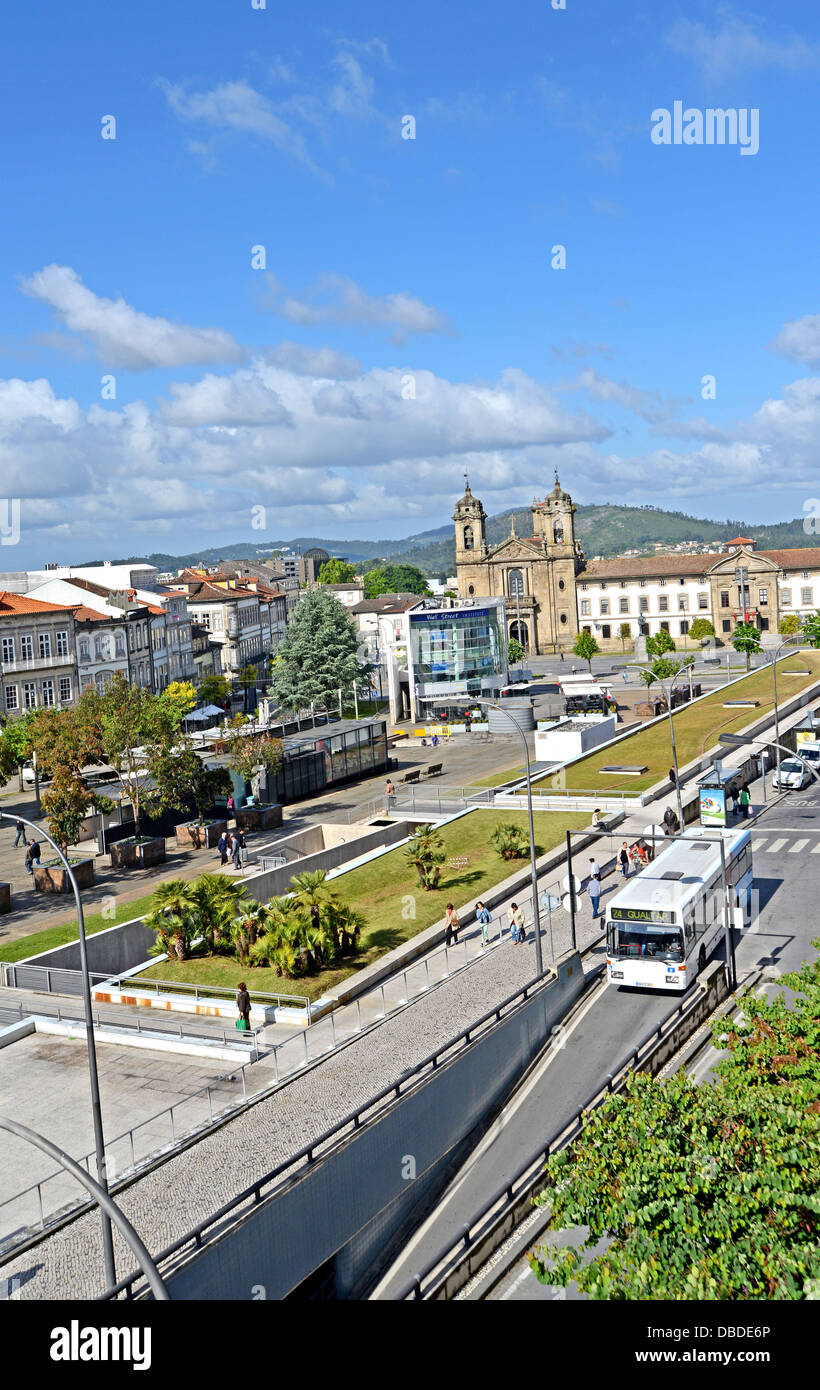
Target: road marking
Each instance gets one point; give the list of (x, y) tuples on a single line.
[(816, 849), (760, 846), (773, 848), (797, 846)]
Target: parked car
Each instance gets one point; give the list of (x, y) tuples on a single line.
[(792, 775)]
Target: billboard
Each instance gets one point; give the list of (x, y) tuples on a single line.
[(712, 806)]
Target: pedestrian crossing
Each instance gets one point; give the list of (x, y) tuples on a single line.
[(782, 844)]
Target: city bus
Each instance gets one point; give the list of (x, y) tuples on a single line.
[(665, 922)]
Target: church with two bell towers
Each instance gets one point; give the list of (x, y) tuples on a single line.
[(535, 575)]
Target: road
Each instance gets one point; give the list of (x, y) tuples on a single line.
[(785, 839)]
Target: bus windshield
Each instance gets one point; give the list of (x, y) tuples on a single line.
[(649, 943)]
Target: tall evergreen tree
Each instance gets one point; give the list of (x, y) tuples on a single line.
[(318, 655)]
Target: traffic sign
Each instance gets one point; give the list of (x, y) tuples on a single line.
[(566, 904), (576, 882)]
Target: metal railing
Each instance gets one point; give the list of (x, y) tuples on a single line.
[(529, 1178), (152, 1030), (319, 1147), (52, 979)]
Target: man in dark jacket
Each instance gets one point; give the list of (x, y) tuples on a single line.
[(21, 833)]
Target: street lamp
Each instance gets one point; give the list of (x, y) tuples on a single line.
[(738, 741), (667, 686), (104, 1201), (96, 1111), (490, 704)]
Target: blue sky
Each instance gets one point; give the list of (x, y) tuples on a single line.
[(407, 324)]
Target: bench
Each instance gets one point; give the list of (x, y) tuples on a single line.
[(434, 770), (412, 776)]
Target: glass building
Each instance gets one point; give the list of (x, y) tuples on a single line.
[(458, 652), (326, 757)]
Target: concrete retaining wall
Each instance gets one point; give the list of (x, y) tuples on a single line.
[(110, 952), (348, 1207)]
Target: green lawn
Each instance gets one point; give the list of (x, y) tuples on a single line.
[(696, 728), (44, 940), (385, 888)]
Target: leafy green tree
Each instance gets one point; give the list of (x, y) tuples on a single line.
[(510, 841), (181, 698), (213, 690), (585, 646), (394, 579), (17, 744), (336, 571), (251, 754), (746, 638), (701, 628), (317, 655), (65, 805), (625, 633), (811, 628), (701, 1192), (128, 727), (182, 780), (515, 651), (660, 644), (425, 850)]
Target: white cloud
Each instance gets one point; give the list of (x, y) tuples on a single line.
[(649, 405), (307, 361), (734, 46), (236, 107), (800, 341), (122, 336), (242, 399), (338, 299)]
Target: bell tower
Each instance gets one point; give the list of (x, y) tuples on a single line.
[(471, 535)]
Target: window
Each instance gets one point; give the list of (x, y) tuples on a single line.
[(703, 601), (29, 695), (606, 630), (805, 574), (84, 649), (663, 603), (805, 595), (515, 582), (764, 624), (661, 582), (683, 603), (642, 583), (563, 617), (586, 628), (681, 581), (603, 586), (762, 597), (726, 625), (120, 645), (643, 604), (684, 627), (27, 648), (62, 643), (785, 598), (604, 607), (584, 607), (623, 583), (664, 627), (623, 605), (11, 697), (470, 590), (44, 645), (48, 693), (724, 599), (584, 588), (8, 648), (65, 689), (561, 584)]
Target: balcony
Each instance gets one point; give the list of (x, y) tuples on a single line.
[(38, 663)]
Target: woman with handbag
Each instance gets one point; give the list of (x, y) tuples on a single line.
[(243, 1004), (451, 918)]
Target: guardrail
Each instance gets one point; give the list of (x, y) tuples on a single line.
[(308, 1154), (529, 1177), (238, 1039), (51, 979)]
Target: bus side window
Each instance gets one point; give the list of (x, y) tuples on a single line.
[(689, 925)]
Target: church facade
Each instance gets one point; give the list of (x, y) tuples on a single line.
[(551, 593)]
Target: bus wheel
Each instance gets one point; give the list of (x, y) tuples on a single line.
[(701, 960)]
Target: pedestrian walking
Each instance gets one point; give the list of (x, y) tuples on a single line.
[(389, 792), (594, 891), (670, 821), (746, 801), (451, 918), (623, 859), (21, 833), (231, 807), (32, 856), (573, 669), (237, 848), (594, 868), (243, 1004), (482, 915), (222, 846), (516, 923), (625, 677), (735, 795), (561, 654)]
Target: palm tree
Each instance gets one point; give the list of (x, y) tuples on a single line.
[(215, 900), (312, 892), (425, 851)]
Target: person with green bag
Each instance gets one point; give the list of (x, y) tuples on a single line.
[(243, 1004)]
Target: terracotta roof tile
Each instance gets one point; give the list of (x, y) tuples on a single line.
[(21, 603)]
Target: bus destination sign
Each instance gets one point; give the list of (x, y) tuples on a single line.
[(641, 914)]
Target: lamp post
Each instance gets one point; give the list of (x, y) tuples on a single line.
[(536, 920), (104, 1201), (96, 1111), (778, 650)]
